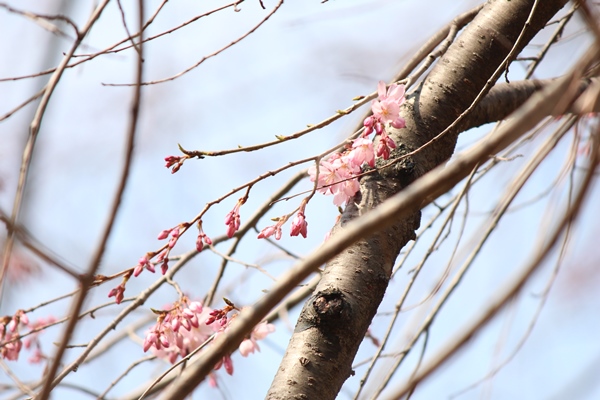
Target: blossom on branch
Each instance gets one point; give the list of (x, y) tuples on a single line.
[(143, 262), (273, 229), (185, 326), (202, 238), (118, 293), (384, 145), (178, 331), (259, 332), (175, 162), (338, 174), (362, 152), (386, 109), (232, 219), (10, 336), (337, 177), (299, 225), (32, 341)]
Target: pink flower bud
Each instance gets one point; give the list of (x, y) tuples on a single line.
[(399, 123), (138, 270), (186, 324), (149, 341), (299, 226), (164, 341), (179, 340), (24, 318), (195, 306), (176, 324), (267, 232), (228, 364), (171, 160), (117, 293), (164, 234), (12, 325)]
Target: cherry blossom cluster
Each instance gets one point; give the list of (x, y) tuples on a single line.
[(10, 336), (32, 341), (146, 263), (299, 224), (167, 334), (232, 219), (188, 325), (175, 162), (119, 292), (202, 238), (338, 173)]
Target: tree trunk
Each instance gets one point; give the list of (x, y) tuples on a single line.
[(336, 317)]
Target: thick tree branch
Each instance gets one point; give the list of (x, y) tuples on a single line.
[(428, 187), (504, 98), (335, 319)]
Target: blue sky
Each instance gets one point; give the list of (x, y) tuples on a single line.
[(309, 60)]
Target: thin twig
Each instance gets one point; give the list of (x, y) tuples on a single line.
[(88, 278)]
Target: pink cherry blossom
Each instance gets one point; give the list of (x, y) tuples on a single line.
[(232, 219), (10, 335), (201, 240), (384, 145), (394, 92), (299, 225), (178, 331), (175, 232), (338, 174), (362, 152), (164, 234), (386, 109), (118, 293), (349, 184), (259, 332), (37, 356), (328, 176), (269, 231), (163, 258), (32, 341), (143, 262), (273, 230), (227, 363), (10, 345), (175, 161), (339, 177), (398, 123)]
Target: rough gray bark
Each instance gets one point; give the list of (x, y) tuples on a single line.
[(504, 98), (335, 319)]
